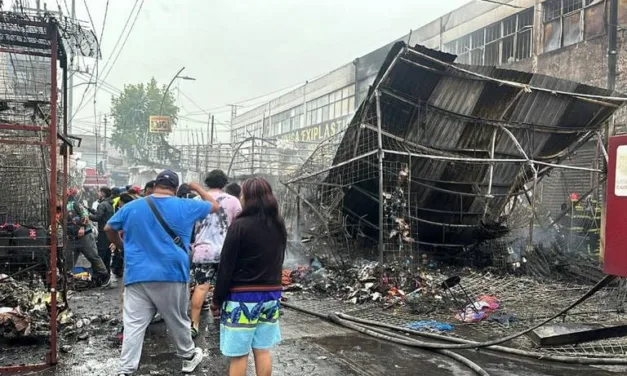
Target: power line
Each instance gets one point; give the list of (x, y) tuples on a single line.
[(125, 40), (189, 99), (104, 83), (505, 4), (104, 22), (255, 98), (130, 30), (261, 96), (128, 19), (67, 9), (92, 75), (117, 42)]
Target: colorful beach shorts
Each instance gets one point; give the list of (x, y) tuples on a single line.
[(250, 320), (204, 273)]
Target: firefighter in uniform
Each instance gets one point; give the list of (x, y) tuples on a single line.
[(579, 225)]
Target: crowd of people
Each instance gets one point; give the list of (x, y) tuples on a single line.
[(181, 248)]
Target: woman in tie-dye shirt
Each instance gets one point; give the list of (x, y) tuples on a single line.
[(210, 235)]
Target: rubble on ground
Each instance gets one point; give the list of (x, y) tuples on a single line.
[(25, 311), (395, 283)]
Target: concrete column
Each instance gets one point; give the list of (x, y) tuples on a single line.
[(538, 35)]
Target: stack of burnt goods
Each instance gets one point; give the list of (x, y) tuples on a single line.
[(23, 247)]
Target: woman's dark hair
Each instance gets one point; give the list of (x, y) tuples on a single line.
[(259, 201), (106, 191), (185, 191), (233, 189), (126, 198), (216, 179)]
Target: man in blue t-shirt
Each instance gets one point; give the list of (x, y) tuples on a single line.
[(156, 269)]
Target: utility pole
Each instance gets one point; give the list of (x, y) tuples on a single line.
[(70, 73), (104, 146), (209, 140), (212, 130), (234, 110)]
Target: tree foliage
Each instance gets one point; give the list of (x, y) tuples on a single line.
[(131, 111)]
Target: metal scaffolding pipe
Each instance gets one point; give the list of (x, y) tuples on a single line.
[(492, 147), (52, 202), (365, 155), (380, 157)]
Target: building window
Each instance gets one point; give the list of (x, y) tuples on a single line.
[(567, 22), (503, 42), (331, 106), (286, 121), (239, 134)]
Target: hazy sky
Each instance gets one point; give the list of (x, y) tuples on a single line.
[(238, 49)]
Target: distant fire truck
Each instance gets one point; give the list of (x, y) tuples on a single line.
[(93, 178)]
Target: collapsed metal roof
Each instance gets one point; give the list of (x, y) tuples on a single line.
[(472, 137)]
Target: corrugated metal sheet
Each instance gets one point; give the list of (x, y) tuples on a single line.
[(556, 187), (435, 105)]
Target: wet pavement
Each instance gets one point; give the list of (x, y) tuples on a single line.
[(310, 346)]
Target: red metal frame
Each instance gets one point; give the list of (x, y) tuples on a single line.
[(18, 127), (51, 142), (21, 142)]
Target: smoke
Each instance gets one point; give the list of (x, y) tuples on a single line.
[(295, 255)]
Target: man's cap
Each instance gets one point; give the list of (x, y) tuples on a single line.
[(168, 178), (134, 189)]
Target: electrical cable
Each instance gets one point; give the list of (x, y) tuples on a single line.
[(392, 337), (104, 22), (192, 102), (130, 30), (103, 83), (107, 64), (262, 96), (343, 320)]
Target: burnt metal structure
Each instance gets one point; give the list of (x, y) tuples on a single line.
[(32, 47), (438, 153)]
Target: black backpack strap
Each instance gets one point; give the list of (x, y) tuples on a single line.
[(177, 240)]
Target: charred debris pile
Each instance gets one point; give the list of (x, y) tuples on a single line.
[(439, 159), (438, 173), (25, 314)]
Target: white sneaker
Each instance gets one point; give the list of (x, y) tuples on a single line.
[(190, 365), (157, 318)]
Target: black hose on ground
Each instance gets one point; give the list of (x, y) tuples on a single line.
[(392, 337), (465, 344), (608, 360)]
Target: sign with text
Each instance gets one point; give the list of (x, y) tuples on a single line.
[(160, 124), (620, 185), (318, 132)]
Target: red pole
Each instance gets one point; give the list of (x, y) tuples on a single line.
[(52, 201)]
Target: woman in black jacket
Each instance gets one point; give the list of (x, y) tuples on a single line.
[(248, 288)]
